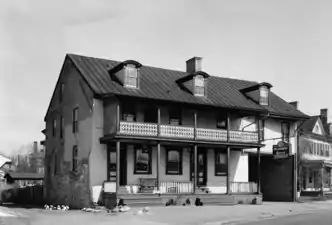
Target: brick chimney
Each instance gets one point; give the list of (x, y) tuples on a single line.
[(323, 116), (194, 64), (295, 104)]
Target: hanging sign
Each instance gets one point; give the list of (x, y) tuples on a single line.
[(281, 150)]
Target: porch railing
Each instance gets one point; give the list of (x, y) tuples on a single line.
[(176, 187), (211, 134), (176, 131), (142, 129), (183, 132), (243, 187)]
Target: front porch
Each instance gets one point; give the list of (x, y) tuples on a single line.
[(141, 171)]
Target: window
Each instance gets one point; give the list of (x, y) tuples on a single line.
[(62, 124), (75, 158), (220, 167), (261, 129), (285, 131), (175, 116), (55, 162), (327, 152), (222, 122), (54, 127), (199, 85), (131, 76), (174, 162), (75, 120), (62, 86), (151, 114), (142, 160), (129, 112), (322, 150), (263, 95)]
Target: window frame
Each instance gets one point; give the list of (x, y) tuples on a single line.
[(217, 167), (175, 114), (74, 158), (129, 77), (180, 164), (199, 87), (54, 127), (264, 100), (62, 124), (75, 120), (283, 137), (149, 151)]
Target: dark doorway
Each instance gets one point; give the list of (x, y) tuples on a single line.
[(111, 166), (201, 167)]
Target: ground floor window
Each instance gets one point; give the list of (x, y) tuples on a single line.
[(220, 162), (142, 159), (174, 162)]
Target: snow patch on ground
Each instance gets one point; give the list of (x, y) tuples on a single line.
[(4, 214)]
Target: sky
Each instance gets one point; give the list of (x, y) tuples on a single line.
[(284, 42)]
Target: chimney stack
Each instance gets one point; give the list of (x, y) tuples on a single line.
[(35, 147), (295, 104), (194, 64), (323, 116)]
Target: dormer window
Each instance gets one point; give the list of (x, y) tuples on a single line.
[(199, 83), (263, 95), (131, 76)]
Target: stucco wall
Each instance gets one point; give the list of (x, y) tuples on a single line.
[(67, 187)]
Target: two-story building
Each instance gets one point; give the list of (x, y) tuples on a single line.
[(146, 132), (315, 157)]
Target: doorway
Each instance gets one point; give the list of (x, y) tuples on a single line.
[(201, 167), (111, 165)]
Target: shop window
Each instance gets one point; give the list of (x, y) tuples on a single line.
[(174, 162), (142, 160)]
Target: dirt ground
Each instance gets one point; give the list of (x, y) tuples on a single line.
[(208, 215)]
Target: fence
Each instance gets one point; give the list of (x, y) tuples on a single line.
[(32, 195)]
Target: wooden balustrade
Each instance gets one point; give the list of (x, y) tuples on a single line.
[(243, 187), (176, 187), (183, 132)]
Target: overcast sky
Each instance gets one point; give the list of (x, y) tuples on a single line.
[(284, 42)]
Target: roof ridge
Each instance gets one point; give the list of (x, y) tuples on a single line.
[(161, 68)]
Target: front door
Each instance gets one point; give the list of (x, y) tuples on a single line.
[(112, 165), (201, 167)]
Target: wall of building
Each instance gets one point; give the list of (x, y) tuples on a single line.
[(65, 186)]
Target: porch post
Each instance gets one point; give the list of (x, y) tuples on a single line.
[(159, 122), (228, 127), (258, 170), (228, 170), (118, 117), (158, 166), (195, 169), (322, 179), (195, 125), (117, 166)]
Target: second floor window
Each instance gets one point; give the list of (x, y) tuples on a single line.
[(54, 127), (129, 112), (75, 158), (55, 162), (285, 127), (222, 122), (261, 129), (175, 116), (199, 86), (75, 120), (131, 79)]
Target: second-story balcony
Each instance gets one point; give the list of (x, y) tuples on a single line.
[(186, 132)]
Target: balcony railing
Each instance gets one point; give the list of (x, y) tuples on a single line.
[(183, 132), (243, 187)]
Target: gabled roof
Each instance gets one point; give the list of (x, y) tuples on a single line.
[(160, 84), (309, 124)]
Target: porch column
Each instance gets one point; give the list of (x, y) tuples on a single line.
[(195, 125), (117, 166), (322, 179), (159, 122), (228, 170), (195, 169), (258, 170), (118, 117), (158, 166), (228, 127)]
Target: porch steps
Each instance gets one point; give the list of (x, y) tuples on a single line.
[(155, 200)]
